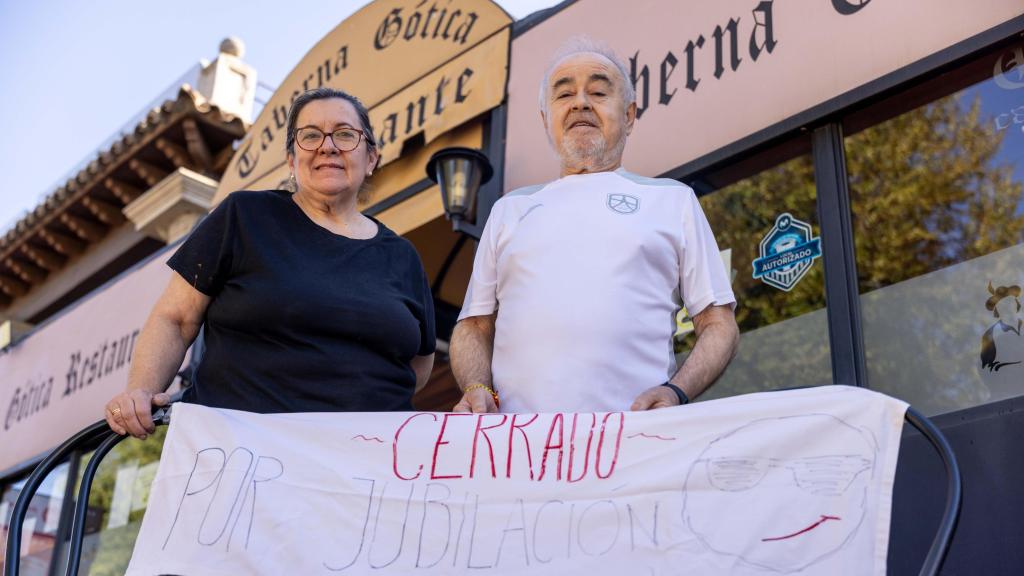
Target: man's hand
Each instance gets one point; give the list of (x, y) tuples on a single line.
[(654, 398), (131, 412), (471, 348), (476, 400)]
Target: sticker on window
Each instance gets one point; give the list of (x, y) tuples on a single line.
[(786, 253), (1002, 343)]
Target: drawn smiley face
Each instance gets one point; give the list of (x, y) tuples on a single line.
[(782, 493)]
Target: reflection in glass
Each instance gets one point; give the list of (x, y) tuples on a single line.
[(784, 334), (937, 193), (39, 530), (117, 502)]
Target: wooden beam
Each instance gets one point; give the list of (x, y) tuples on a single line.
[(197, 147), (30, 273), (151, 174), (13, 287), (45, 259), (176, 154), (11, 330), (62, 243), (126, 193), (221, 160), (103, 211), (84, 229)]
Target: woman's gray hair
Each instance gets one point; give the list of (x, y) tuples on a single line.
[(582, 45), (325, 93)]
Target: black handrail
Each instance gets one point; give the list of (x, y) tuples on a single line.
[(85, 437), (82, 503), (97, 432), (954, 492)]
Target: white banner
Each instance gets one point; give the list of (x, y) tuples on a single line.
[(777, 482)]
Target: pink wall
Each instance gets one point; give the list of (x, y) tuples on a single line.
[(57, 381)]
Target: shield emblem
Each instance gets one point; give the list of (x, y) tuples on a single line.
[(787, 252), (623, 203)]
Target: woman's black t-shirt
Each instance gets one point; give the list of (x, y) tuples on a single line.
[(302, 319)]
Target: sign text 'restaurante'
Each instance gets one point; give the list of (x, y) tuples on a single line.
[(106, 358)]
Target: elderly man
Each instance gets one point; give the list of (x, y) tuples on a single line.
[(576, 282)]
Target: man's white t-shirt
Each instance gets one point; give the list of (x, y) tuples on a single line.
[(586, 274)]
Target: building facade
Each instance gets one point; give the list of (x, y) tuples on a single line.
[(861, 163)]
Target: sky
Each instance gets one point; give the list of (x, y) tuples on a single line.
[(76, 72)]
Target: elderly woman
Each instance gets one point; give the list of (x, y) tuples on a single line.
[(308, 305)]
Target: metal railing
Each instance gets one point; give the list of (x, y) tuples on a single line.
[(108, 439), (954, 491)]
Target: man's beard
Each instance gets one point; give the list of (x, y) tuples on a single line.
[(578, 154)]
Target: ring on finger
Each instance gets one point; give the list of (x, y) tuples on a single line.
[(116, 411)]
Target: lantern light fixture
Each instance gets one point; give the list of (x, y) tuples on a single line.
[(459, 172)]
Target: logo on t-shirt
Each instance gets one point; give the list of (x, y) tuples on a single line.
[(623, 203)]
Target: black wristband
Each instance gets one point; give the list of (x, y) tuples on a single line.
[(683, 398)]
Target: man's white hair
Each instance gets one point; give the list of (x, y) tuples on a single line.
[(584, 45)]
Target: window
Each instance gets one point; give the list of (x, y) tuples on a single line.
[(120, 493), (39, 529), (937, 190), (763, 212)]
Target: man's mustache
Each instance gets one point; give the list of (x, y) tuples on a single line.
[(578, 118)]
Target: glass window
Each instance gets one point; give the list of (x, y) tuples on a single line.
[(39, 529), (937, 189), (118, 499), (763, 212)]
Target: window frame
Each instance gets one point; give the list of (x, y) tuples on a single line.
[(826, 123)]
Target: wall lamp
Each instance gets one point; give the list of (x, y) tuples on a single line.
[(460, 172)]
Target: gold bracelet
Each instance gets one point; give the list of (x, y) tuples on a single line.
[(497, 402)]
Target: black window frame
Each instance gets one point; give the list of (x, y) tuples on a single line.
[(825, 124)]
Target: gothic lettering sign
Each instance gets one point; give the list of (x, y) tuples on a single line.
[(446, 97), (57, 381), (708, 74), (377, 54), (770, 483)]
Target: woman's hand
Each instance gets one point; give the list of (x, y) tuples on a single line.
[(170, 329), (131, 412)]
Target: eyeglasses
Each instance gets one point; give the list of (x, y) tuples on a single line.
[(311, 139)]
